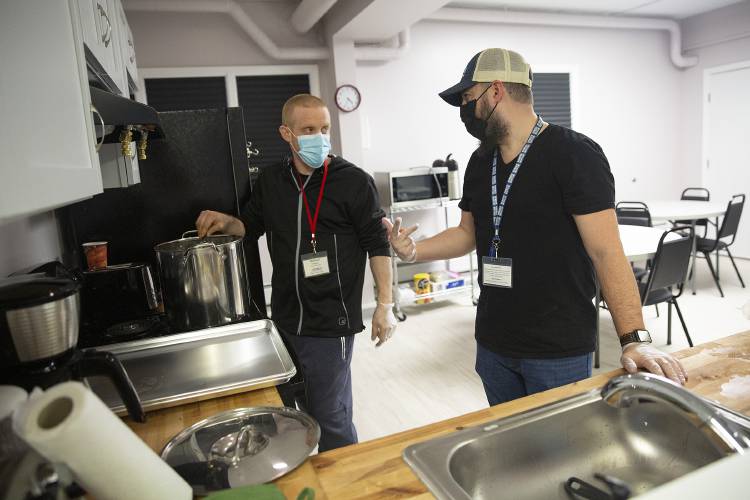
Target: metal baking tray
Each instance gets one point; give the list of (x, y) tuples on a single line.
[(204, 364)]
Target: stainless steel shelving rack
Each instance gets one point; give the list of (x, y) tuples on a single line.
[(433, 205)]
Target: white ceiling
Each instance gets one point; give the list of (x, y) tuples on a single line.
[(675, 9)]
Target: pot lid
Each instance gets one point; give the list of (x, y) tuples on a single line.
[(34, 289), (242, 447)]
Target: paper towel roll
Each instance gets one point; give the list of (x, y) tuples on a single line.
[(70, 424), (11, 398)]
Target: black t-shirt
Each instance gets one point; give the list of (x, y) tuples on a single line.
[(549, 312)]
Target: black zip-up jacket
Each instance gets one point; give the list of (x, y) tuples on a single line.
[(349, 227)]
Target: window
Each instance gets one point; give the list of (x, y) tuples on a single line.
[(552, 97), (260, 90), (175, 94), (262, 98)]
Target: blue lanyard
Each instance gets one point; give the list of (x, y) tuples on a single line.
[(498, 208)]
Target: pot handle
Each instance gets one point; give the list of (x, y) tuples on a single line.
[(195, 232), (201, 245)]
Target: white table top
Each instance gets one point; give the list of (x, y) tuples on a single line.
[(663, 210), (640, 242)]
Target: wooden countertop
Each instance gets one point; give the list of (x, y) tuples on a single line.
[(375, 469)]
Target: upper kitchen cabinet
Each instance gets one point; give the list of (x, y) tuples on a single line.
[(99, 24), (48, 142), (127, 49)]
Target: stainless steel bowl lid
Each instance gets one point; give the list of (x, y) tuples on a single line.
[(34, 289), (183, 244), (242, 447)]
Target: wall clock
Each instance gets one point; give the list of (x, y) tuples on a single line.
[(348, 98)]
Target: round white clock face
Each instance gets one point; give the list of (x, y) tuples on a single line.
[(348, 98)]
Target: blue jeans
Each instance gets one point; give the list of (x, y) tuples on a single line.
[(326, 368), (506, 379)]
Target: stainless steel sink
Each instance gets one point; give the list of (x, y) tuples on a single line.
[(641, 429)]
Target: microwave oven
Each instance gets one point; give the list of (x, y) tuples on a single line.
[(414, 187)]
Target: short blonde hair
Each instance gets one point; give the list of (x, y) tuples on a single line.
[(299, 101)]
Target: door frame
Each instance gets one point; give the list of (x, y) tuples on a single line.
[(707, 74), (230, 74)]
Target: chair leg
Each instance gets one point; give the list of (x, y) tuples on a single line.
[(682, 320), (735, 268), (669, 323), (656, 306), (596, 351), (713, 273)]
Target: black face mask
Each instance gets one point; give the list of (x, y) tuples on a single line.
[(475, 126)]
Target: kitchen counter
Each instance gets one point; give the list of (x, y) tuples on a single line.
[(718, 370)]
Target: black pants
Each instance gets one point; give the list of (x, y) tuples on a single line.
[(326, 367)]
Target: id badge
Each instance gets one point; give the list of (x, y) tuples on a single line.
[(315, 264), (497, 272)]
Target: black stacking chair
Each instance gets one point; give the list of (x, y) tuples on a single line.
[(669, 272), (728, 229), (695, 194), (633, 213)]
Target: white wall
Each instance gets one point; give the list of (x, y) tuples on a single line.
[(626, 97), (184, 39), (718, 38), (27, 241)]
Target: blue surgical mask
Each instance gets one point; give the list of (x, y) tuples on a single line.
[(313, 149)]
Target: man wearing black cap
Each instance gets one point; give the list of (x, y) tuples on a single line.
[(539, 243)]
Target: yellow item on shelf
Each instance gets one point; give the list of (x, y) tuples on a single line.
[(422, 286)]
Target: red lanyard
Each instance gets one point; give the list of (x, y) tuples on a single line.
[(313, 220)]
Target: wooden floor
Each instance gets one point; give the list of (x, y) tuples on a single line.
[(426, 372)]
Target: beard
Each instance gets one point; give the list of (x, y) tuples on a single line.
[(497, 132)]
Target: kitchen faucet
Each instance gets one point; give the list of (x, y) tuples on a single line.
[(626, 390)]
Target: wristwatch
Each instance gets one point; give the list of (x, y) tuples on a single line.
[(642, 336)]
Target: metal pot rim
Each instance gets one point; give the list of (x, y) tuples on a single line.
[(181, 244)]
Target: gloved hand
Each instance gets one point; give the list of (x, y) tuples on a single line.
[(400, 239), (383, 323), (640, 355)]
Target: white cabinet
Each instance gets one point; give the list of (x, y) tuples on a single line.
[(118, 170), (125, 40), (99, 24), (47, 146)]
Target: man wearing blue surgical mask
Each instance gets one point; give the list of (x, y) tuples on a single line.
[(322, 219)]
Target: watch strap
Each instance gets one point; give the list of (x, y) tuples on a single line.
[(632, 337)]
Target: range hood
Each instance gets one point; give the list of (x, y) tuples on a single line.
[(119, 114)]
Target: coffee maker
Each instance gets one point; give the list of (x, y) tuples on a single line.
[(39, 322)]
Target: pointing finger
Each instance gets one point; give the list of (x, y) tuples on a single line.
[(396, 227), (409, 230)]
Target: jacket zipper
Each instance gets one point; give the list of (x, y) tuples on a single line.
[(338, 277), (297, 252)]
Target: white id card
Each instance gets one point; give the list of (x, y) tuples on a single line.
[(497, 272), (315, 264)]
